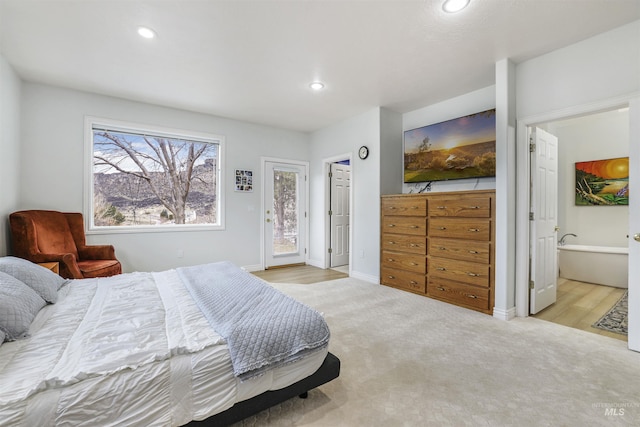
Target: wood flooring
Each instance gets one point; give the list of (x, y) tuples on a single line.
[(579, 305), (304, 274)]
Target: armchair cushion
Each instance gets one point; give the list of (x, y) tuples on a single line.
[(99, 268)]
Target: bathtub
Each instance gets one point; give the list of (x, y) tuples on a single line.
[(603, 265)]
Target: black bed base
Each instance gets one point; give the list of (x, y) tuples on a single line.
[(329, 370)]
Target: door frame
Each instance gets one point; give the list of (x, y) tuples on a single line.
[(326, 165), (523, 191), (263, 164)]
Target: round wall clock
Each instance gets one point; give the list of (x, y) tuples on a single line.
[(363, 152)]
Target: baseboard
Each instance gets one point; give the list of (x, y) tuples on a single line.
[(504, 314), (315, 263), (366, 277), (251, 268)]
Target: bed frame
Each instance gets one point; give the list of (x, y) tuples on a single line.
[(329, 370)]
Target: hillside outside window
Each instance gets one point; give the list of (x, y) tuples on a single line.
[(153, 179)]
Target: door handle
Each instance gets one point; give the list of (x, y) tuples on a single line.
[(636, 237)]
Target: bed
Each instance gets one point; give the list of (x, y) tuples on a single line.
[(201, 345)]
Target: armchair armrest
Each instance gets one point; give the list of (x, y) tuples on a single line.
[(96, 252), (67, 263)]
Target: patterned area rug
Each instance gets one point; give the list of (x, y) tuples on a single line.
[(616, 319)]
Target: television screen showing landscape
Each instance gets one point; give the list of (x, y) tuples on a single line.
[(456, 149)]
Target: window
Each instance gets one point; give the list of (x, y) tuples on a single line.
[(152, 179)]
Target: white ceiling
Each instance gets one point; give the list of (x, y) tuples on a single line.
[(253, 60)]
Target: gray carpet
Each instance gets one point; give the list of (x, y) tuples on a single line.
[(408, 360)]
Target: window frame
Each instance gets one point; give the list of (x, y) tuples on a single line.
[(122, 126)]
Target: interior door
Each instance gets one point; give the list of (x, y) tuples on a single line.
[(544, 210), (285, 215), (340, 178)]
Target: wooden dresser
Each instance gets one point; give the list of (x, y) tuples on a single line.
[(440, 245)]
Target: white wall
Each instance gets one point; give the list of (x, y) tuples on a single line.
[(473, 102), (391, 154), (51, 173), (346, 137), (599, 68), (10, 91), (594, 137)]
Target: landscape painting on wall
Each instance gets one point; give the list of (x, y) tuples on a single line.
[(459, 148), (602, 182)]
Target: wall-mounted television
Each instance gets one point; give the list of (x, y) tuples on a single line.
[(460, 148)]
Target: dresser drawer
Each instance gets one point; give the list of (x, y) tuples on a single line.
[(465, 250), (470, 229), (405, 206), (460, 271), (403, 279), (414, 263), (459, 293), (466, 207), (416, 226), (404, 243)]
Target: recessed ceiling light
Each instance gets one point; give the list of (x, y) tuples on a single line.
[(146, 32), (453, 6), (316, 85)]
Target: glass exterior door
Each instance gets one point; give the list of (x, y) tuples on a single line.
[(285, 223)]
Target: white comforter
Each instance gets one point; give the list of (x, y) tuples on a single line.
[(130, 349)]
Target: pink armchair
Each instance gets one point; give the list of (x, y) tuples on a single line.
[(49, 236)]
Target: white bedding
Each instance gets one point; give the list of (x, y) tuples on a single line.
[(129, 349)]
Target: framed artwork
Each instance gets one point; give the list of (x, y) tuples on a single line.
[(602, 182), (244, 180), (459, 148)]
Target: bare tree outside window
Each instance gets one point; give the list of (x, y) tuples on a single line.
[(142, 180)]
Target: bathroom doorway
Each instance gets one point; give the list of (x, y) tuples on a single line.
[(584, 298)]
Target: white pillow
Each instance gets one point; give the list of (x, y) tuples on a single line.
[(19, 305), (42, 280)]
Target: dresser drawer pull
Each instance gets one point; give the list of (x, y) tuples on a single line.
[(391, 208), (442, 207), (415, 207), (392, 225), (473, 252), (413, 245), (413, 282), (413, 263), (391, 242), (474, 230), (442, 248), (472, 296), (391, 277), (440, 288), (442, 228), (390, 259), (441, 269), (415, 226), (473, 274), (474, 207)]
